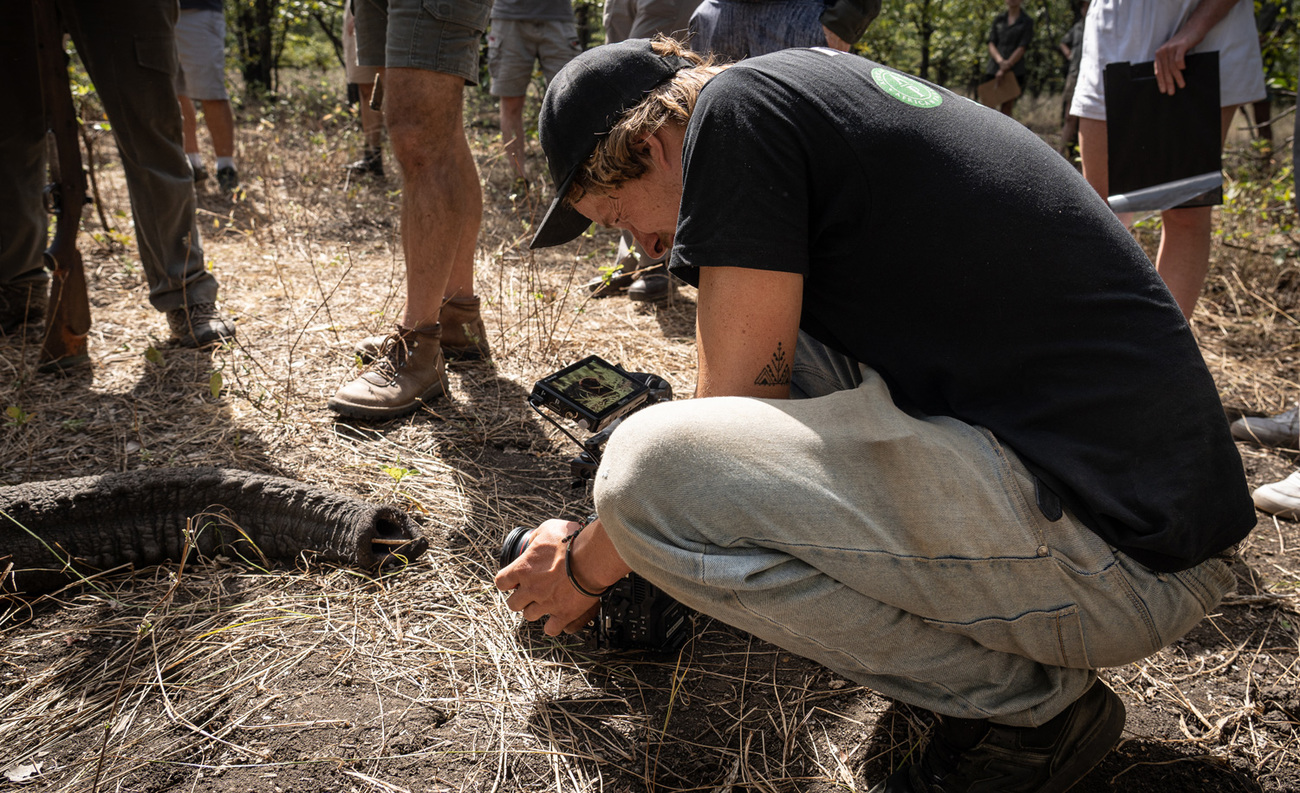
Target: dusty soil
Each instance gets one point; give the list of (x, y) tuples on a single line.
[(223, 675)]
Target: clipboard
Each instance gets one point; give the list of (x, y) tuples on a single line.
[(992, 93), (1164, 151)]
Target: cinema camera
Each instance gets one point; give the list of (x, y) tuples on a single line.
[(597, 395)]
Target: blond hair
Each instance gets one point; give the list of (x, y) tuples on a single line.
[(619, 156)]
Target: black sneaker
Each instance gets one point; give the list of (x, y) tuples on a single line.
[(370, 164), (616, 280), (981, 757), (24, 302), (653, 286), (199, 325), (227, 179), (1281, 431)]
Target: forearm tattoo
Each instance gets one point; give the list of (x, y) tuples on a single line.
[(777, 372)]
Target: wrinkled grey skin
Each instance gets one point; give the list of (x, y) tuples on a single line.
[(141, 517)]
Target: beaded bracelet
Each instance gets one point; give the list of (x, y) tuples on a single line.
[(568, 567)]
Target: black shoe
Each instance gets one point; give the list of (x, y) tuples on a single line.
[(370, 164), (653, 286), (24, 302), (617, 280), (981, 757), (227, 179), (199, 325), (1281, 431)]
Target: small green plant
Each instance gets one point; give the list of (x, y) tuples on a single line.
[(16, 416), (153, 356), (398, 473), (74, 425)]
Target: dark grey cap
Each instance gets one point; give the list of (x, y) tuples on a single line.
[(583, 102)]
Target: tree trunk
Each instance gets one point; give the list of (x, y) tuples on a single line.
[(48, 530), (256, 44)]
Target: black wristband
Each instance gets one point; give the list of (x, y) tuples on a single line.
[(568, 567)]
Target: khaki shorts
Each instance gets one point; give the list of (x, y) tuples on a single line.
[(201, 49), (514, 45), (436, 35)]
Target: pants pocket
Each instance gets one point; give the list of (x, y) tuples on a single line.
[(1052, 637), (157, 53), (469, 13)]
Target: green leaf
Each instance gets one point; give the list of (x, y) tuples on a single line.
[(153, 356), (214, 385)]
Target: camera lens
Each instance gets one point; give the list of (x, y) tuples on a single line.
[(515, 543)]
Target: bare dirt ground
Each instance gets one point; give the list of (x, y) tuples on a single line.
[(227, 676)]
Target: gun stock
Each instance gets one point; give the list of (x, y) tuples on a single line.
[(68, 321)]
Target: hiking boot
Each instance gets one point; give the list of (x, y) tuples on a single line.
[(981, 757), (24, 302), (464, 338), (653, 286), (616, 280), (409, 372), (1281, 431), (227, 179), (199, 325), (1280, 498), (370, 164)]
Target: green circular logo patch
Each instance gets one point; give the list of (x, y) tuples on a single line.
[(905, 89)]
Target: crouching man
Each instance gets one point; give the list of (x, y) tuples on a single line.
[(952, 437)]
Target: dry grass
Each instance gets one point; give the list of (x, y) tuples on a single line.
[(222, 676)]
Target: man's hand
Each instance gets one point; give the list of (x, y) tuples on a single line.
[(1170, 59), (835, 42), (540, 585)]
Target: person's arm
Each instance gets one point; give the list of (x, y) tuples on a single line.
[(846, 21), (1170, 57), (747, 323), (541, 586), (997, 57)]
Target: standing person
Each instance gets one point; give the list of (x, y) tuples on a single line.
[(644, 277), (1009, 39), (964, 469), (429, 52), (372, 123), (1071, 45), (201, 47), (129, 50), (525, 32), (732, 30), (1166, 32)]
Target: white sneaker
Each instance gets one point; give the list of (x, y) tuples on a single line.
[(1280, 498)]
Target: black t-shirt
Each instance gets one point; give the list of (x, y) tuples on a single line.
[(947, 247), (1007, 37)]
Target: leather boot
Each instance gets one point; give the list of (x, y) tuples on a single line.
[(464, 338), (408, 372)]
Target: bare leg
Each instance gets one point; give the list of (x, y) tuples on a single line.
[(1184, 256), (221, 125), (189, 125), (512, 131), (442, 204)]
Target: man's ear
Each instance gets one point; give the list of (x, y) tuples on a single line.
[(657, 147)]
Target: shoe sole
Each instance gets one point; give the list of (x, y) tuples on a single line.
[(375, 413), (1107, 728)]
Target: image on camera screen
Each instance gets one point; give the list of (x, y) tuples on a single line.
[(597, 388)]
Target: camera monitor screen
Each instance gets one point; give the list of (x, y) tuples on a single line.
[(591, 392)]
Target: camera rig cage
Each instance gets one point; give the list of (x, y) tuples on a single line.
[(597, 396)]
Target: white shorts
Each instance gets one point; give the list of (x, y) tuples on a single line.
[(1132, 30), (201, 49)]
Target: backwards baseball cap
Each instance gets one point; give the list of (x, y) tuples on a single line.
[(583, 102)]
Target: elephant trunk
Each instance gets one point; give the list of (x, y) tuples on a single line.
[(48, 529)]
